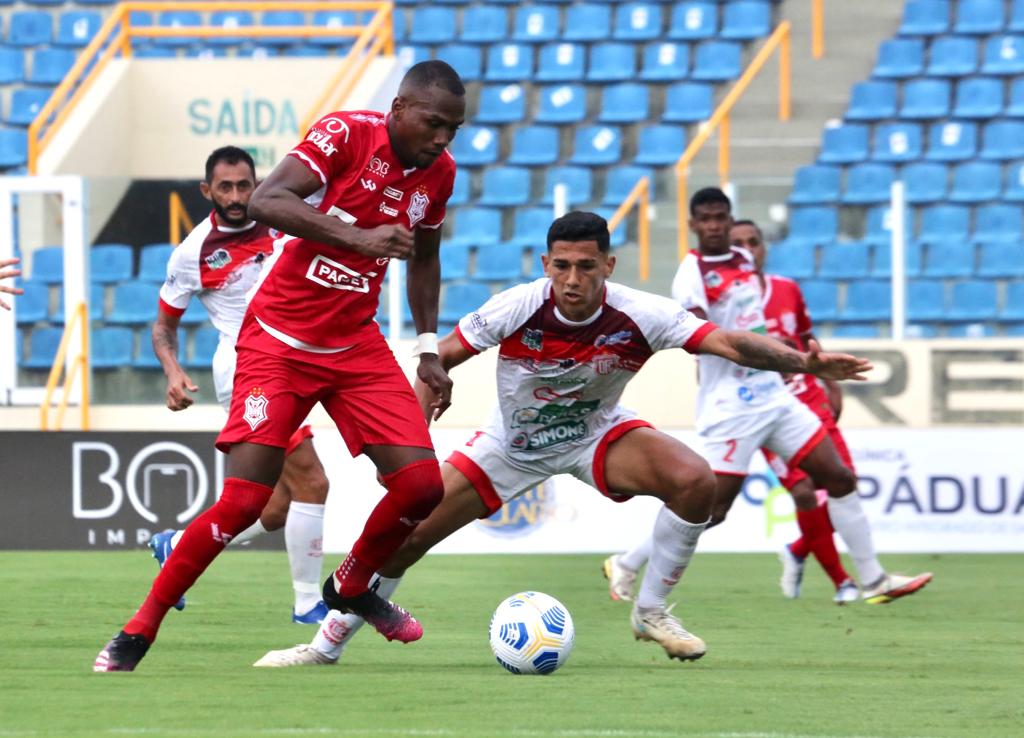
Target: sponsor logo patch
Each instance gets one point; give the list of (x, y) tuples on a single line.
[(330, 273), (393, 193), (378, 167), (368, 184), (323, 142), (713, 279), (219, 258), (533, 338), (388, 210), (552, 435), (614, 339)]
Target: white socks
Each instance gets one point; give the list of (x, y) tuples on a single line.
[(635, 558), (338, 628), (851, 523), (256, 529), (304, 537), (672, 546)]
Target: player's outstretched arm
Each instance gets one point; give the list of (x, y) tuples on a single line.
[(760, 352), (451, 353), (6, 272), (423, 286), (165, 346)]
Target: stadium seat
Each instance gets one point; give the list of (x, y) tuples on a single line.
[(637, 21), (177, 19), (970, 330), (475, 146), (868, 183), (484, 24), (978, 97), (793, 259), (231, 19), (26, 102), (872, 100), (1015, 23), (465, 59), (43, 343), (925, 99), (847, 260), (286, 18), (952, 141), (900, 58), (204, 346), (30, 28), (160, 52), (612, 61), (596, 146), (587, 22), (973, 299), (534, 146), (500, 262), (578, 181), (925, 182), (744, 20), (461, 189), (50, 66), (844, 144), (659, 146), (13, 147), (146, 358), (693, 21), (1014, 189), (618, 235), (1015, 102), (462, 298), (505, 186), (203, 51), (12, 65), (476, 227), (407, 54), (111, 348), (626, 102), (195, 314), (34, 305), (1013, 305), (979, 17), (562, 104), (952, 259), (509, 63), (1002, 259), (896, 142), (501, 104), (952, 56), (97, 298), (77, 27), (665, 62), (432, 25), (153, 262), (944, 222), (560, 63), (536, 270), (881, 260), (856, 330), (717, 61), (926, 300), (920, 330), (867, 300), (925, 18), (998, 222), (816, 184), (621, 181), (821, 298), (535, 24), (134, 303), (1002, 140), (812, 225), (1003, 55), (530, 226), (976, 181), (109, 263), (454, 262), (48, 265), (688, 102)]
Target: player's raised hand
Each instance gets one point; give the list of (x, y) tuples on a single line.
[(179, 385), (6, 272), (393, 241), (432, 374), (835, 366)]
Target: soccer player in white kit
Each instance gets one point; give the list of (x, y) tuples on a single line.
[(568, 344), (218, 263), (740, 410)]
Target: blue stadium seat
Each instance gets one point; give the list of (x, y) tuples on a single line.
[(896, 142), (204, 51), (34, 305), (462, 298), (97, 298), (475, 146), (813, 224), (587, 22), (978, 97), (793, 259), (501, 104), (530, 226), (844, 260), (900, 58), (509, 63), (505, 186), (688, 102), (626, 102), (534, 146), (1001, 259), (465, 59), (866, 300), (48, 265), (153, 262), (925, 18), (924, 99), (693, 21), (178, 19), (157, 52), (1016, 19), (454, 261), (484, 24), (976, 181), (562, 104), (461, 189), (204, 346), (13, 147), (868, 183), (1003, 55), (856, 330), (536, 265), (659, 146), (952, 141), (596, 146), (30, 28), (921, 330), (949, 259), (51, 66), (134, 303), (612, 61), (944, 222), (1014, 189), (844, 144), (111, 348), (12, 65), (925, 182), (42, 348), (979, 17), (618, 236), (1002, 139), (43, 3), (579, 181), (230, 19), (535, 23), (665, 62), (476, 227), (146, 358), (286, 18), (407, 54), (1013, 306), (997, 222), (952, 56), (500, 262), (432, 25), (77, 27), (1015, 103), (109, 263), (821, 298), (881, 259), (621, 181), (744, 20), (637, 21), (973, 299), (717, 61), (970, 330), (926, 300), (195, 314), (560, 63), (815, 185), (26, 102), (872, 100)]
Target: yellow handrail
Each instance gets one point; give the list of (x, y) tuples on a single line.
[(817, 28), (719, 120), (179, 217), (640, 196), (81, 362), (115, 35)]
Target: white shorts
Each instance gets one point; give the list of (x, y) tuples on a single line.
[(790, 430), (498, 478), (224, 372)]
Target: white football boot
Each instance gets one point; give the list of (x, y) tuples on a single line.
[(300, 655), (659, 625)]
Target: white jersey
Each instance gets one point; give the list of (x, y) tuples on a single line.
[(727, 289), (559, 380)]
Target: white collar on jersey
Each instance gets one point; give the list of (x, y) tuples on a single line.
[(228, 229), (577, 323), (726, 256)]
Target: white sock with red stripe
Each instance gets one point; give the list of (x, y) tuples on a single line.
[(338, 628), (635, 558), (850, 522), (672, 547)]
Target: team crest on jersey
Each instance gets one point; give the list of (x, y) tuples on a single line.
[(255, 407), (219, 258), (417, 206), (605, 363), (789, 323), (533, 338), (713, 279)]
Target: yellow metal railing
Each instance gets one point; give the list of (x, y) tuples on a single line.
[(817, 28), (180, 221), (640, 197), (719, 121), (81, 363), (115, 36)]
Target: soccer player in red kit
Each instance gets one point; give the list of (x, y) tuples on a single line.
[(361, 189)]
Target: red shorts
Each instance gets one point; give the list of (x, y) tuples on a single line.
[(362, 388), (298, 437)]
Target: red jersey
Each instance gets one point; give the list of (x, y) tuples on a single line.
[(312, 295), (787, 319)]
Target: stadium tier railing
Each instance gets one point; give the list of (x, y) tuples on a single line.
[(639, 197), (115, 36), (80, 364), (817, 28), (180, 221)]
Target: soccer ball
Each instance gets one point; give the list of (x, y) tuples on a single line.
[(531, 633)]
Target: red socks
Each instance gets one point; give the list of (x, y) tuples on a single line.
[(817, 531), (413, 492), (239, 506)]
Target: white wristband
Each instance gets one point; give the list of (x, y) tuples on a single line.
[(426, 343)]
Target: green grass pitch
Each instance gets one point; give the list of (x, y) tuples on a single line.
[(946, 662)]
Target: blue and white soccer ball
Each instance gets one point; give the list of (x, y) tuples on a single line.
[(531, 633)]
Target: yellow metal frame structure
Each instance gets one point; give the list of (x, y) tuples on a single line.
[(640, 197), (179, 219), (115, 36), (817, 28), (719, 121), (81, 364)]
